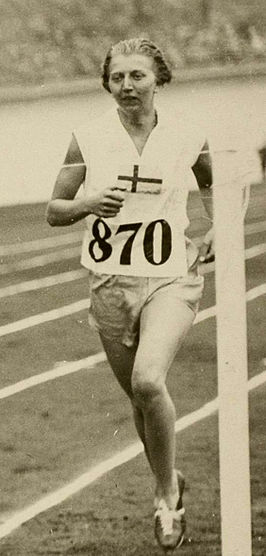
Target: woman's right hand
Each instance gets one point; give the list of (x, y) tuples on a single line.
[(106, 203), (65, 208)]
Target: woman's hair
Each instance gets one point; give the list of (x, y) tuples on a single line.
[(137, 46)]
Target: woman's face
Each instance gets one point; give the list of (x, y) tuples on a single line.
[(132, 82)]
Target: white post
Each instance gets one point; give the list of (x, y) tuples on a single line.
[(232, 356)]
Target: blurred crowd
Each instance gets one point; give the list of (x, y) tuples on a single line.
[(60, 40)]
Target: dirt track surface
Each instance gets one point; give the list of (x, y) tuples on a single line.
[(54, 432)]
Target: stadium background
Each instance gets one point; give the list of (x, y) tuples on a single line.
[(54, 431), (60, 40)]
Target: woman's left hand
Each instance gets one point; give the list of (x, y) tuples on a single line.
[(207, 251)]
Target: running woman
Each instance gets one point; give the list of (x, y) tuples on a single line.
[(134, 163)]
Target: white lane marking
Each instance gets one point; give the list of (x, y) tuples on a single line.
[(48, 281), (62, 370), (71, 252), (64, 277), (250, 295), (38, 244), (255, 227), (44, 317), (249, 254), (41, 283), (73, 237), (96, 472), (40, 260), (257, 380), (256, 292), (84, 303), (205, 314), (75, 366)]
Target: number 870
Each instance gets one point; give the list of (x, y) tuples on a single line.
[(100, 239)]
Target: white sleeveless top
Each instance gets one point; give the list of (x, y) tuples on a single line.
[(146, 238)]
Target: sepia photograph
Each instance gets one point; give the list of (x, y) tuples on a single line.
[(132, 278)]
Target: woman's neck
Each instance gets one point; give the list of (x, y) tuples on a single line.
[(139, 122)]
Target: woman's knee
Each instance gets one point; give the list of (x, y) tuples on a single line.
[(146, 390)]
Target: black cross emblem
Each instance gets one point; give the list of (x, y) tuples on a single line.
[(135, 179)]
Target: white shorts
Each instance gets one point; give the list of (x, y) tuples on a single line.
[(117, 301)]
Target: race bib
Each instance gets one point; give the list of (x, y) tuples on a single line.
[(141, 248)]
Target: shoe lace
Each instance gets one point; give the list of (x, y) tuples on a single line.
[(167, 517)]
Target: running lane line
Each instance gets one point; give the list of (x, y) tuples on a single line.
[(74, 237), (61, 312), (59, 371), (72, 252), (39, 244), (89, 362), (41, 283), (40, 260), (96, 472), (48, 316)]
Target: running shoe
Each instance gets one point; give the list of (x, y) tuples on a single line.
[(170, 525)]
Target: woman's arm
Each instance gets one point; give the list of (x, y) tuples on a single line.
[(64, 209), (202, 170)]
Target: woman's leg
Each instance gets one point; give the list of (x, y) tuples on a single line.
[(121, 359), (165, 322)]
